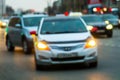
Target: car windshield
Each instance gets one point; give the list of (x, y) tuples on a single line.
[(31, 21), (91, 19), (63, 26), (109, 17)]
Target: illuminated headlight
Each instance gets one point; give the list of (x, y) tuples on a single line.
[(95, 9), (119, 21), (90, 27), (107, 22), (109, 27), (4, 24), (42, 45), (105, 9), (91, 43)]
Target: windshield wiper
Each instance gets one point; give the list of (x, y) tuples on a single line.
[(63, 32), (67, 32)]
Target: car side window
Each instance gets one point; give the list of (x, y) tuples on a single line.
[(14, 21), (18, 21)]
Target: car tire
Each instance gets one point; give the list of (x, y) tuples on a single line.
[(9, 45), (109, 35), (37, 66), (26, 48), (40, 67), (93, 64)]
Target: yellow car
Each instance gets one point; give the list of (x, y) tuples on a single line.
[(3, 23)]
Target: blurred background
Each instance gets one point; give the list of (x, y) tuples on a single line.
[(11, 7)]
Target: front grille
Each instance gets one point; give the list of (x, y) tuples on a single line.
[(67, 48), (68, 59), (101, 28)]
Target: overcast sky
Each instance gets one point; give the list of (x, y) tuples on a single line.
[(38, 5)]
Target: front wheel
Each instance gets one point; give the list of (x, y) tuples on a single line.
[(26, 48), (93, 64), (109, 35), (40, 67), (9, 45)]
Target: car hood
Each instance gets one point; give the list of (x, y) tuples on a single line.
[(64, 37), (113, 20), (31, 28), (97, 24)]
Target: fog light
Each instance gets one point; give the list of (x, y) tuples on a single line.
[(92, 54), (42, 57)]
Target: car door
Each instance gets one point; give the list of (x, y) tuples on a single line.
[(18, 32), (11, 29)]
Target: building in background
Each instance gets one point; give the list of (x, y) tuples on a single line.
[(2, 8), (69, 5)]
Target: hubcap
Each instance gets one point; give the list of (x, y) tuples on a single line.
[(25, 46)]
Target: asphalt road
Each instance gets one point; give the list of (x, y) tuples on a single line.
[(18, 66)]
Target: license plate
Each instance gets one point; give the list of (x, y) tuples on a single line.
[(100, 30), (66, 55)]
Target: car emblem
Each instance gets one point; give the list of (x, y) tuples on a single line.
[(67, 48)]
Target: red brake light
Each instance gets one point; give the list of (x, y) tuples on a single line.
[(110, 9), (32, 32), (66, 13), (98, 9)]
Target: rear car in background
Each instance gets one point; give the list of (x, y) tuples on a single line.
[(97, 26), (64, 40), (114, 20), (20, 31)]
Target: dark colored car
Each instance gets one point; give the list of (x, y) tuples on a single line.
[(97, 26), (114, 20), (20, 30)]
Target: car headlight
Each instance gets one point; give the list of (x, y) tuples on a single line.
[(109, 27), (4, 24), (107, 22), (91, 43), (119, 21), (42, 45), (90, 27)]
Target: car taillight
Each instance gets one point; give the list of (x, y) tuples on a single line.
[(66, 13), (42, 45), (91, 43), (32, 32)]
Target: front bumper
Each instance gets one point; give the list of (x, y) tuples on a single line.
[(85, 61), (82, 58), (102, 32)]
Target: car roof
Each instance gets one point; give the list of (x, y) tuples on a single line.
[(89, 15), (28, 15), (61, 17), (107, 14), (33, 15)]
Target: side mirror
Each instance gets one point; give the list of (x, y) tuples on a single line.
[(18, 25)]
